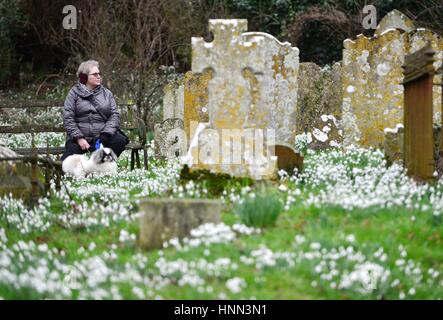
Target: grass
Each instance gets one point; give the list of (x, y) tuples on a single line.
[(260, 210), (281, 261)]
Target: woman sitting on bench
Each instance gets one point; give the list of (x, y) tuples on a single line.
[(90, 113)]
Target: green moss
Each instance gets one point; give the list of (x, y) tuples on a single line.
[(215, 183)]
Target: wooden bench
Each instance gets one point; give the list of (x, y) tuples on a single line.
[(131, 124)]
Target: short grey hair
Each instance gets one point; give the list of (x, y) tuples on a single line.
[(86, 66)]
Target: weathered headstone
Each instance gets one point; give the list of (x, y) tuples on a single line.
[(164, 219), (372, 78), (173, 100), (319, 102), (169, 138), (15, 176), (196, 99), (253, 86)]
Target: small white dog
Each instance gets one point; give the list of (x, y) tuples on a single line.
[(102, 161)]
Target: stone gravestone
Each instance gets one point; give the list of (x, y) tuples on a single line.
[(168, 138), (15, 176), (319, 103), (168, 134), (252, 98), (163, 219), (173, 100), (372, 78)]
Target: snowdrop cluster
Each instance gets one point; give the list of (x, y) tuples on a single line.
[(23, 140), (210, 233), (370, 274), (91, 202), (236, 285), (263, 257), (125, 236), (358, 178), (15, 213)]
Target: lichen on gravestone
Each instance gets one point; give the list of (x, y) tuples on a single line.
[(253, 85), (372, 78)]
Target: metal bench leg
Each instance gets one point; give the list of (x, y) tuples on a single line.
[(48, 172), (137, 157), (132, 159), (145, 157)]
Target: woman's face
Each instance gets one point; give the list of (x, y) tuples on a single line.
[(94, 78)]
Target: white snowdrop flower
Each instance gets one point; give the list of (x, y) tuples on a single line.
[(411, 291), (138, 292), (334, 143), (399, 262), (3, 237), (222, 296), (350, 238), (235, 285), (309, 137), (326, 129), (350, 89), (401, 295), (315, 246), (413, 218), (369, 275), (299, 239), (283, 188), (324, 117), (92, 246), (395, 283)]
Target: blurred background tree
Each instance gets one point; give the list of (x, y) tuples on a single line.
[(132, 39)]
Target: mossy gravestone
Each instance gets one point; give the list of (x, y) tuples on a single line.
[(164, 219), (251, 98), (15, 176), (372, 78)]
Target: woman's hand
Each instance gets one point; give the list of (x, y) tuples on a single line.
[(84, 145)]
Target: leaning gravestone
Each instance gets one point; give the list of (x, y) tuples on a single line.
[(195, 100), (253, 86), (14, 176), (164, 219), (173, 100), (168, 137), (319, 103), (372, 78)]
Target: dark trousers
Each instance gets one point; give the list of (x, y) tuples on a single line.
[(117, 143)]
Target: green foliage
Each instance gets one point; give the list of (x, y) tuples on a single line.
[(260, 210), (214, 183), (11, 24)]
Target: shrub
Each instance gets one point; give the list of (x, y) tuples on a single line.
[(259, 210)]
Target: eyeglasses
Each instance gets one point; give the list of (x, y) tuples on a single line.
[(95, 74)]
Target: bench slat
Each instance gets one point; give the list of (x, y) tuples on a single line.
[(40, 150), (29, 129)]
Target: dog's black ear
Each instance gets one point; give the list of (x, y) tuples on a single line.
[(95, 156), (114, 156)]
